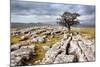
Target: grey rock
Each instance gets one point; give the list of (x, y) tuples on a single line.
[(40, 39), (61, 58), (15, 47), (46, 47), (20, 55), (34, 40)]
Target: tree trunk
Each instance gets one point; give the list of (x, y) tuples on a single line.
[(69, 28)]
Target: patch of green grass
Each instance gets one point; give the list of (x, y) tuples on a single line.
[(88, 33), (50, 42), (40, 52), (15, 39)]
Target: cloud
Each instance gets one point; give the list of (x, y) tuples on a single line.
[(86, 10), (36, 18), (86, 17), (18, 7), (28, 11), (29, 8)]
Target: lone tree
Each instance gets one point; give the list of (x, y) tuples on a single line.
[(68, 19)]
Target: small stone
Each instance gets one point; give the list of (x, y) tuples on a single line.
[(40, 39), (45, 47)]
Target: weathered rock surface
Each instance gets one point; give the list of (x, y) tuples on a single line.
[(72, 48), (21, 54), (61, 58), (38, 39), (46, 47)]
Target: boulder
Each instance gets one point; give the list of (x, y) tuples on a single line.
[(40, 39), (23, 38), (46, 47), (44, 37), (15, 33), (19, 56), (34, 40), (47, 33), (24, 43), (15, 47)]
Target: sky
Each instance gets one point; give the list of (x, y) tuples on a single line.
[(34, 12)]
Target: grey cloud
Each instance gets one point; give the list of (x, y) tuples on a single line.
[(25, 11), (20, 7), (29, 8)]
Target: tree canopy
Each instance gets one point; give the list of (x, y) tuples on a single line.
[(68, 19)]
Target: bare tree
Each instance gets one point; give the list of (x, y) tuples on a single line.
[(68, 19)]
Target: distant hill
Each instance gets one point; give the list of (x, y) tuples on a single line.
[(25, 25), (84, 25)]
